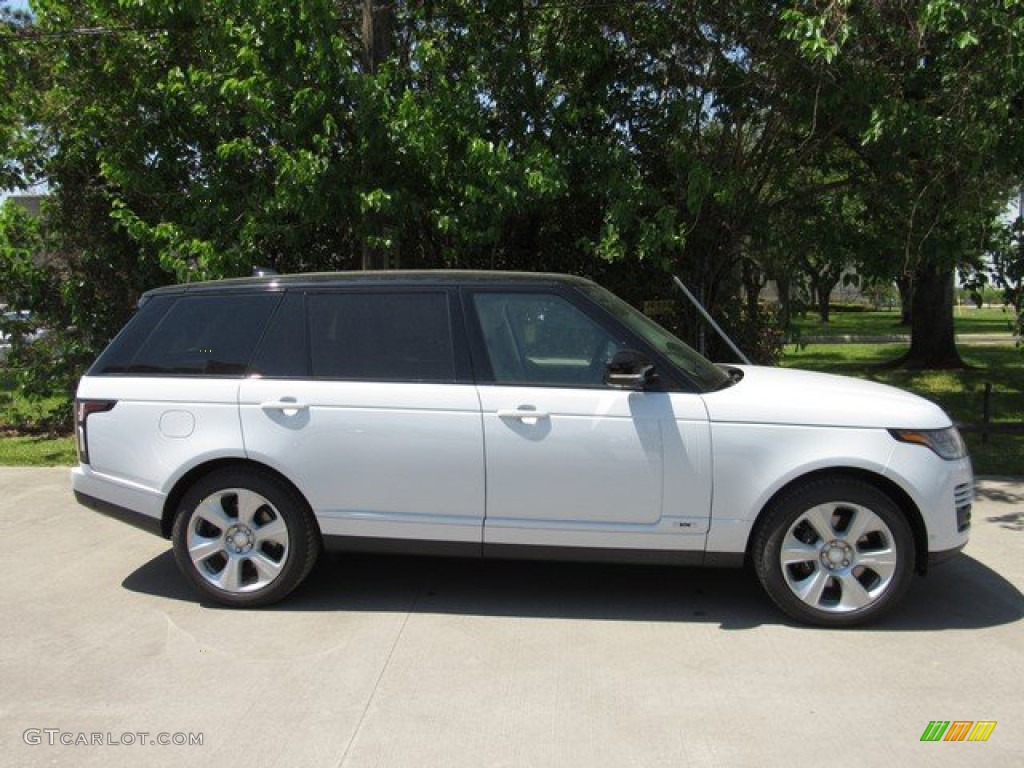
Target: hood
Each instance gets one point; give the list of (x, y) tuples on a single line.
[(787, 396)]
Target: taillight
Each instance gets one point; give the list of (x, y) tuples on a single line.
[(83, 410)]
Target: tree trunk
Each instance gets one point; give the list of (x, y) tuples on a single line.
[(905, 285), (377, 28), (823, 304), (753, 282), (376, 33), (785, 291), (823, 295), (932, 338)]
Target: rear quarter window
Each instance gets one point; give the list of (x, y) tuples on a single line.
[(190, 336)]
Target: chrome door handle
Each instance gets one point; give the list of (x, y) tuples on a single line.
[(522, 414)]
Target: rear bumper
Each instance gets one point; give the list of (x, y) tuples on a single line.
[(125, 515), (130, 503)]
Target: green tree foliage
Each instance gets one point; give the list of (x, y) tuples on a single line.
[(1007, 267), (933, 90), (19, 148), (725, 141)]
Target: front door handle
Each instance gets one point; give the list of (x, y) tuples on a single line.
[(523, 414)]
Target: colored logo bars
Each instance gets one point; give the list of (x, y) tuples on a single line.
[(958, 730)]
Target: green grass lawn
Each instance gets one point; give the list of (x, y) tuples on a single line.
[(960, 393), (884, 323), (29, 451), (20, 448)]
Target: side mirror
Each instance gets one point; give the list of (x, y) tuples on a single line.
[(629, 369)]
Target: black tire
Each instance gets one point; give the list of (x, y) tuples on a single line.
[(253, 538), (834, 575)]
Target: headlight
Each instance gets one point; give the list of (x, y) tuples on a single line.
[(947, 442)]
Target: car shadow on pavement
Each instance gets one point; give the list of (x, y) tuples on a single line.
[(1012, 521), (961, 594), (998, 493)]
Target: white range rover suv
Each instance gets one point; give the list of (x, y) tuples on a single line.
[(257, 421)]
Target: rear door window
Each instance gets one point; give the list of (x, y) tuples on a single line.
[(283, 352), (381, 336)]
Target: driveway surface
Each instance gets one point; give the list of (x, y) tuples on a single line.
[(389, 661)]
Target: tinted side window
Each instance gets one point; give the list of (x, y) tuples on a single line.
[(381, 336), (205, 335), (543, 339), (283, 351), (118, 355)]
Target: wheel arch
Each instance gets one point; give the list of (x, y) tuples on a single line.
[(891, 489), (200, 471)]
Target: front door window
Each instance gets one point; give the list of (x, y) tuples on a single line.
[(543, 340)]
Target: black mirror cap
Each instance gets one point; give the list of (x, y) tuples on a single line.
[(630, 369)]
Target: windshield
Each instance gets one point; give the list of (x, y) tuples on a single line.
[(704, 373)]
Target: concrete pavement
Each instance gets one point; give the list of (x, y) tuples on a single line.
[(387, 661)]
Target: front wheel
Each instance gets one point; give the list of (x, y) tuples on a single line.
[(834, 552), (243, 538)]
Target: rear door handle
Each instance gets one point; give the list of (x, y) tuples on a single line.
[(284, 405), (522, 414)]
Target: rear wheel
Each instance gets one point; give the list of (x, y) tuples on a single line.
[(243, 538), (834, 552)]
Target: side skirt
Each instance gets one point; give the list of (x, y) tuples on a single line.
[(531, 552)]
